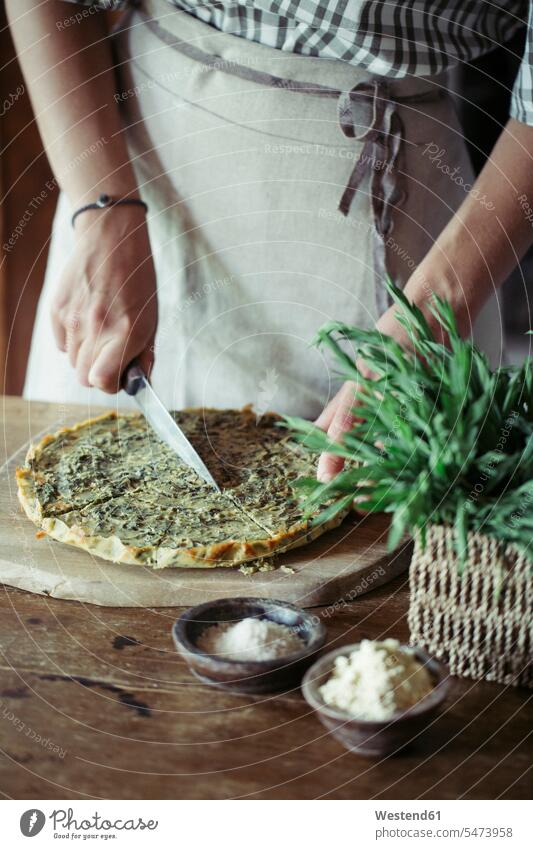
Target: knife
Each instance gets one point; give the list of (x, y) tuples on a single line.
[(137, 385)]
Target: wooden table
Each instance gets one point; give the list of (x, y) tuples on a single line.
[(120, 716)]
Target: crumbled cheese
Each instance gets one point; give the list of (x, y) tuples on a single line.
[(250, 639), (287, 569), (376, 680), (261, 565)]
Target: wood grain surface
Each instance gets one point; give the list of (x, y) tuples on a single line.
[(95, 703)]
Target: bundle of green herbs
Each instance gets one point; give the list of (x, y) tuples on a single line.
[(440, 437)]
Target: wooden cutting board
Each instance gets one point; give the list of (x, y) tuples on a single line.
[(346, 562)]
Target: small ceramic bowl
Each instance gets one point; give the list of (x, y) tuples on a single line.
[(370, 738), (248, 676)]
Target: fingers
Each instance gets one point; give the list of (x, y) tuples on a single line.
[(73, 339), (116, 351), (109, 364), (72, 335), (100, 343), (84, 361), (105, 308), (338, 420), (326, 416), (343, 417), (99, 354), (59, 330), (106, 370), (329, 465)]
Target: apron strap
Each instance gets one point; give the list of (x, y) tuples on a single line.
[(382, 142)]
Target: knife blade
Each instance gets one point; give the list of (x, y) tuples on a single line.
[(137, 385)]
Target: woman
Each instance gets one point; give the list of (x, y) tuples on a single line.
[(288, 153)]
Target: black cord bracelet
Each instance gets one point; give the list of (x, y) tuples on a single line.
[(105, 202)]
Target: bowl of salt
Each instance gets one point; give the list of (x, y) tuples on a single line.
[(249, 645)]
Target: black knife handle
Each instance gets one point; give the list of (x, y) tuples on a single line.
[(134, 377)]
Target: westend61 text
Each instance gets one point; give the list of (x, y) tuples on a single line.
[(407, 815)]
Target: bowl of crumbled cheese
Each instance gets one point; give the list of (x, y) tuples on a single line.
[(249, 645), (376, 697)]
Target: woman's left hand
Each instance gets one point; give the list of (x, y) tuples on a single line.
[(336, 419)]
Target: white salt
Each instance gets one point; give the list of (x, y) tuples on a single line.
[(250, 639)]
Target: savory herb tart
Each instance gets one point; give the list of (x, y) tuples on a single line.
[(110, 486)]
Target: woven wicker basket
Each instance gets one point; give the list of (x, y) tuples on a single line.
[(480, 623)]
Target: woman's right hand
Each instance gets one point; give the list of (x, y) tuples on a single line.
[(105, 310)]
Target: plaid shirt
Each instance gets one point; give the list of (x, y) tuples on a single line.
[(393, 38)]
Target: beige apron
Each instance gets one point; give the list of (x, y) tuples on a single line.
[(279, 186)]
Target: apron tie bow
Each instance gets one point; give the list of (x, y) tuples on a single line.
[(382, 141)]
